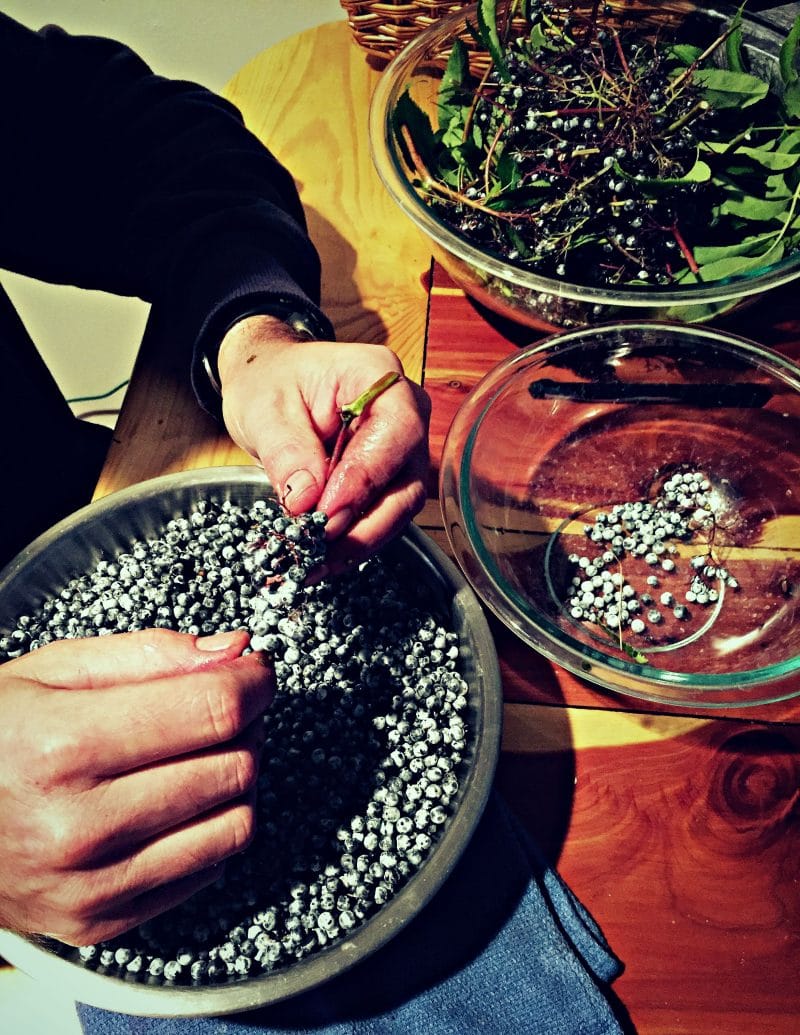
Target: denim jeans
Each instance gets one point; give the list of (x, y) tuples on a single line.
[(503, 948)]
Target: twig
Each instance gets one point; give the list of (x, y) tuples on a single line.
[(686, 251), (349, 412)]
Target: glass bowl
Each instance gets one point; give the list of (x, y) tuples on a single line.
[(528, 298), (626, 499), (108, 527)]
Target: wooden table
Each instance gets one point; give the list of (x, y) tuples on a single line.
[(679, 830)]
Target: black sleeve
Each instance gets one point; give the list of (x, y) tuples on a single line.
[(117, 179)]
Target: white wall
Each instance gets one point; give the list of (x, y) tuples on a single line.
[(202, 40)]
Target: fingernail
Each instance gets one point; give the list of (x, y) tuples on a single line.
[(296, 486), (218, 641), (339, 523)]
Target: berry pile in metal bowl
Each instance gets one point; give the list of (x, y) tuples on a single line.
[(365, 739), (607, 145)]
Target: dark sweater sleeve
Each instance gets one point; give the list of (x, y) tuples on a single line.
[(117, 179)]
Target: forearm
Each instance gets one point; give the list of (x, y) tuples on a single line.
[(124, 181)]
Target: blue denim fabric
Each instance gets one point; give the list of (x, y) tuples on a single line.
[(504, 948)]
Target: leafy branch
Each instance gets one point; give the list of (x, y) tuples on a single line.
[(587, 150)]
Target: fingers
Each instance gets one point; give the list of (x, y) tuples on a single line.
[(163, 873), (287, 440), (294, 460), (95, 734), (282, 403), (382, 523), (279, 404), (191, 848), (128, 914), (106, 661), (383, 469), (134, 807)]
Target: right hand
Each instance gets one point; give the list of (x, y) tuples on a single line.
[(281, 403), (127, 776)]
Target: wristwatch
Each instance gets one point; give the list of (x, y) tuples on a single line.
[(303, 323)]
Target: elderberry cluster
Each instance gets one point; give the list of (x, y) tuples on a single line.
[(570, 142), (365, 741), (645, 535)]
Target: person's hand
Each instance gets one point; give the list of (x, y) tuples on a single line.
[(281, 401), (127, 774)]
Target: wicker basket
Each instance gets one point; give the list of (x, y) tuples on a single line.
[(382, 29)]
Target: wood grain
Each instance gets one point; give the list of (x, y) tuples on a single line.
[(308, 101), (682, 837)]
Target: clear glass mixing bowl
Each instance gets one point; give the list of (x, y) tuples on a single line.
[(603, 418), (507, 289)]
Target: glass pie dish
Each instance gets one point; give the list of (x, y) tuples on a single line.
[(626, 499)]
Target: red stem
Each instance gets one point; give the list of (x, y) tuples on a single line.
[(685, 250), (623, 62), (586, 111), (338, 449)]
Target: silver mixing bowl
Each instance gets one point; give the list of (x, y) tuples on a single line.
[(106, 527)]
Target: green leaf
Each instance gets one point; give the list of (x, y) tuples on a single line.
[(685, 53), (539, 40), (790, 141), (516, 241), (726, 89), (777, 161), (507, 171), (735, 266), (777, 188), (787, 58), (733, 45), (450, 99), (748, 246), (790, 101), (453, 133), (451, 177), (490, 37), (407, 114), (755, 209), (700, 172)]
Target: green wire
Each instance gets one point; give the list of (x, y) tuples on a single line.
[(103, 395)]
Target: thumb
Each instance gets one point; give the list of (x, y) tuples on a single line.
[(105, 661)]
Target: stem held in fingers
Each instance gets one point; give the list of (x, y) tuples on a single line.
[(350, 411)]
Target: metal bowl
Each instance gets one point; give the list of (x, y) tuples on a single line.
[(106, 527), (528, 298)]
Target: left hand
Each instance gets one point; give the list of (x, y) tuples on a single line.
[(281, 400)]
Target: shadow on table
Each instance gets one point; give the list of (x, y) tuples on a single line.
[(341, 298), (502, 947)]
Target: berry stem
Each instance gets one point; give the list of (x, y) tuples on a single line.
[(621, 55), (686, 251), (349, 412), (687, 74)]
